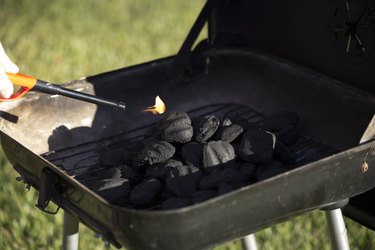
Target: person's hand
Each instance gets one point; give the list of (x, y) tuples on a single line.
[(6, 66)]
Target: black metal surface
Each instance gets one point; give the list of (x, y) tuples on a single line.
[(226, 71), (223, 218), (336, 38), (245, 78), (52, 89)]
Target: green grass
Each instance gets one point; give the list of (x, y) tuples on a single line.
[(64, 40)]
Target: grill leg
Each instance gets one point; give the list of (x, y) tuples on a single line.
[(70, 232), (249, 242), (337, 229)]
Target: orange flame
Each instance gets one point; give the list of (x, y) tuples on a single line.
[(158, 108)]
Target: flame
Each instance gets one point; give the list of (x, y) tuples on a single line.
[(158, 108)]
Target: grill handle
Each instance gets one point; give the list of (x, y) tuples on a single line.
[(48, 189)]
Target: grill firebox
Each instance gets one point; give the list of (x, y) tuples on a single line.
[(58, 153), (83, 163)]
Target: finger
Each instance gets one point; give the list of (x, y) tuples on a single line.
[(6, 87), (6, 63)]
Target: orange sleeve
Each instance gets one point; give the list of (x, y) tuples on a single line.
[(22, 80)]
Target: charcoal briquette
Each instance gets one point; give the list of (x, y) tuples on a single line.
[(224, 188), (132, 175), (226, 122), (228, 133), (237, 185), (211, 180), (145, 192), (176, 127), (268, 170), (203, 195), (176, 202), (166, 193), (280, 120), (192, 154), (214, 179), (289, 135), (256, 146), (247, 171), (183, 180), (216, 154), (113, 190), (237, 119), (205, 127), (115, 157), (283, 153), (161, 170), (230, 175), (155, 152)]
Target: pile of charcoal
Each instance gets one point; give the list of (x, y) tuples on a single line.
[(189, 160)]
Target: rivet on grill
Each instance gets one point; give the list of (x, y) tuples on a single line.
[(364, 167)]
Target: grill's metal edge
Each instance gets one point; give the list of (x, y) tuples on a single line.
[(330, 179)]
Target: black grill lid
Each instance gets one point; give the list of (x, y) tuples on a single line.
[(317, 34)]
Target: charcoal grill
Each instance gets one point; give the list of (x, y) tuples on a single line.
[(258, 58)]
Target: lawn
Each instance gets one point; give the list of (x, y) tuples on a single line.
[(64, 40)]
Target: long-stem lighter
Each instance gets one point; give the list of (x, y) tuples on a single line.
[(28, 83)]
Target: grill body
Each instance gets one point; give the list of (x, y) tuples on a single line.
[(248, 66)]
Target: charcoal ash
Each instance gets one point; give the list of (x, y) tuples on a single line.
[(176, 128), (113, 172), (226, 121), (217, 153), (204, 127), (123, 171), (145, 192), (113, 190), (228, 133), (183, 181), (154, 152), (161, 170), (257, 146), (192, 154)]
